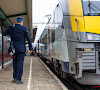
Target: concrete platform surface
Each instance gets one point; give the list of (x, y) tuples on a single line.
[(36, 76)]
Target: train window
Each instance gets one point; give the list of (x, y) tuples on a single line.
[(91, 7), (62, 25), (53, 36), (45, 40)]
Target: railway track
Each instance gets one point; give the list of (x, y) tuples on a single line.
[(69, 82)]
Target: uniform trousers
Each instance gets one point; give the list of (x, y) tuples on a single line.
[(18, 65)]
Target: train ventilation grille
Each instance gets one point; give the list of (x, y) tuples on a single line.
[(88, 60)]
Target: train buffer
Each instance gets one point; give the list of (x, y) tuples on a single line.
[(36, 76)]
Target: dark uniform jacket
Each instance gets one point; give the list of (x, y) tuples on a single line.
[(20, 34)]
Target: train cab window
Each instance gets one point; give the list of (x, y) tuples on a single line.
[(91, 7)]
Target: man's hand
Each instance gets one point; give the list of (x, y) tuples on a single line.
[(31, 51)]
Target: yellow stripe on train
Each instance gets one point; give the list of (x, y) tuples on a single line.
[(92, 24), (86, 23)]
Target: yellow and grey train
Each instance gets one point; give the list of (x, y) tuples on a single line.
[(71, 40)]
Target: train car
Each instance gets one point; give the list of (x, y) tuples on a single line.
[(71, 40), (4, 45)]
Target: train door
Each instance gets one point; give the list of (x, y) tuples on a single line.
[(4, 45)]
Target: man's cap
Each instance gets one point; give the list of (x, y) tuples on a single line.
[(19, 18)]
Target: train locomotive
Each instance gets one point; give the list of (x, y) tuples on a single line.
[(71, 40)]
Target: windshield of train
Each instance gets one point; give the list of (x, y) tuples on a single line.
[(91, 7)]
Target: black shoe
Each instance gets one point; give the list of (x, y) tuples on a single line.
[(19, 82), (14, 80)]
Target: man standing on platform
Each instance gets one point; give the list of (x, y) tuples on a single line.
[(18, 34)]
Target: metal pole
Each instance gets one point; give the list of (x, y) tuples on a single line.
[(2, 45), (48, 41), (78, 29), (89, 5), (41, 43)]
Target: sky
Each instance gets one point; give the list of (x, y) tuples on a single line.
[(40, 9)]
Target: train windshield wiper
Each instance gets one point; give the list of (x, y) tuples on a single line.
[(93, 7)]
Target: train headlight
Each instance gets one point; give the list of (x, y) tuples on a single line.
[(91, 36)]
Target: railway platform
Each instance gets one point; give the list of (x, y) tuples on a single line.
[(36, 76)]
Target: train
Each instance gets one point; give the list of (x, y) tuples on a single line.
[(4, 41), (71, 40)]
